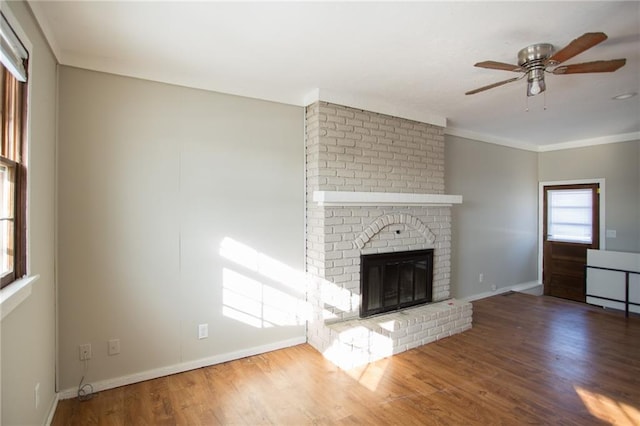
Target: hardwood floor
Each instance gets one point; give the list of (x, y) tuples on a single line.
[(527, 360)]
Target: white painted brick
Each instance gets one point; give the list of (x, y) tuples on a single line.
[(406, 340), (443, 335), (400, 349), (414, 329), (447, 327), (428, 340), (434, 331)]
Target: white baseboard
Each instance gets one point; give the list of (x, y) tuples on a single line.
[(184, 366), (52, 410), (516, 287)]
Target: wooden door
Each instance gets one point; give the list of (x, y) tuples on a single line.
[(571, 225)]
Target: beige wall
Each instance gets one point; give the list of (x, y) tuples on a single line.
[(28, 332), (619, 165), (494, 231), (154, 182)]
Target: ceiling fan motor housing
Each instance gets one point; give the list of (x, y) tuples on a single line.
[(536, 53)]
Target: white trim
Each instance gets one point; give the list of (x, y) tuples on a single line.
[(479, 137), (604, 140), (14, 294), (467, 134), (12, 51), (56, 255), (373, 104), (52, 410), (311, 97), (45, 26), (349, 198), (17, 28), (184, 366), (602, 203), (516, 287), (305, 198)]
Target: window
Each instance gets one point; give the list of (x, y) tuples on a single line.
[(13, 57), (570, 215)]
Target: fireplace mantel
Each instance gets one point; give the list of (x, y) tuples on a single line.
[(350, 198)]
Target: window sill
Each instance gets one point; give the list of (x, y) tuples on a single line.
[(14, 294)]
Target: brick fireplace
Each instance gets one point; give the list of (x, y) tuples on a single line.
[(375, 184)]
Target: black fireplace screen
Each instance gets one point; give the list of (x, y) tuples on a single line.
[(392, 281)]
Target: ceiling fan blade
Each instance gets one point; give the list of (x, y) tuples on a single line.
[(499, 66), (577, 46), (586, 67), (491, 86)]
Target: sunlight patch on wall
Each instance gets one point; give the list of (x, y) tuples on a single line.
[(241, 298), (253, 297), (339, 298), (608, 409), (266, 266)]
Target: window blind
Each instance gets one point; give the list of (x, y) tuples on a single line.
[(569, 215), (13, 54)]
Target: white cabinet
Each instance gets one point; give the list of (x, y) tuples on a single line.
[(607, 275)]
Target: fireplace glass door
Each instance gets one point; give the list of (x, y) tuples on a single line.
[(393, 281)]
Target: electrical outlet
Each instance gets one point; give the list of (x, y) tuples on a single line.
[(114, 347), (203, 331), (36, 394), (480, 277), (493, 287), (85, 352)]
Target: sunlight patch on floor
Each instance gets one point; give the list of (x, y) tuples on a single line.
[(357, 346), (608, 409), (370, 375)]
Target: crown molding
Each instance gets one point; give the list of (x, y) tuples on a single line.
[(45, 27), (467, 134), (582, 143), (624, 137)]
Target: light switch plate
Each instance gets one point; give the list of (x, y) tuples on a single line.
[(203, 331)]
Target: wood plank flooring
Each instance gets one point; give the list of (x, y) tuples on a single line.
[(527, 360)]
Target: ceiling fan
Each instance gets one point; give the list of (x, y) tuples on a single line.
[(535, 60)]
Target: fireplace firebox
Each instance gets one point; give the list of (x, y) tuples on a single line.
[(393, 281)]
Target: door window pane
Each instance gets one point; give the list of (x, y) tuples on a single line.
[(569, 215)]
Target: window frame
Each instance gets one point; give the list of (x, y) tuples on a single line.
[(19, 224), (19, 163)]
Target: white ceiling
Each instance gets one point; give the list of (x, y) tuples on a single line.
[(413, 59)]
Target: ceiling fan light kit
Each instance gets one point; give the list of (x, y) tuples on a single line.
[(532, 61), (535, 60)]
